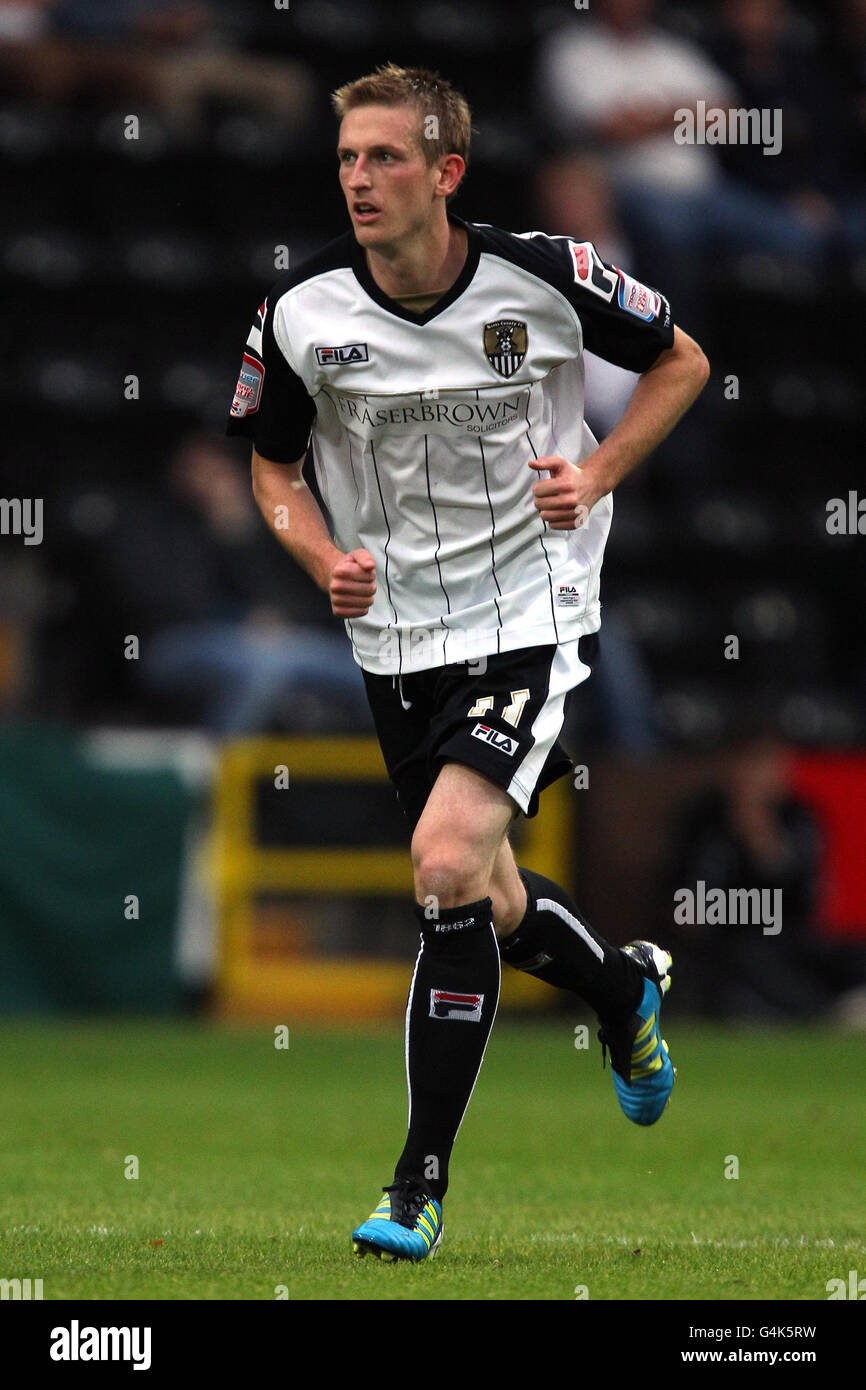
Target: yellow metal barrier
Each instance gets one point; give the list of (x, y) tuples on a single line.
[(307, 985)]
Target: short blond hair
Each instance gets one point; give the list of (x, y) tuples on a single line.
[(450, 131)]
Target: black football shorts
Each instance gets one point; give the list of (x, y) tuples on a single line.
[(504, 721)]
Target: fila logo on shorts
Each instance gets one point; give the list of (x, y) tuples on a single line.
[(501, 742), (445, 1004)]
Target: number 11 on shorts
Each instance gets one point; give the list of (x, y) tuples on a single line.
[(511, 713)]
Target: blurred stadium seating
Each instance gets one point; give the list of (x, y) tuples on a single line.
[(146, 257)]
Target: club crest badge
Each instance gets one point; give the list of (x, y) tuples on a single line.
[(505, 345)]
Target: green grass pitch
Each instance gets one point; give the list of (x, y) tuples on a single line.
[(254, 1164)]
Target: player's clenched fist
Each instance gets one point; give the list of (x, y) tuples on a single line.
[(565, 499), (352, 585)]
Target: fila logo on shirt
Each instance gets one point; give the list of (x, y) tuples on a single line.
[(501, 742), (567, 595), (445, 1004), (346, 356)]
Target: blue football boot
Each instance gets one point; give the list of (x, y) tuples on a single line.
[(643, 1075), (406, 1225)]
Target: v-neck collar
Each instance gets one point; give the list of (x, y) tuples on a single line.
[(393, 306)]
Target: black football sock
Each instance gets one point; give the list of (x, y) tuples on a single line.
[(452, 1004), (555, 943)]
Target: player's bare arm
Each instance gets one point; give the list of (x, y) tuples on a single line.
[(349, 580), (661, 397)]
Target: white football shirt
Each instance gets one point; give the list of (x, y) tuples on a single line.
[(421, 426)]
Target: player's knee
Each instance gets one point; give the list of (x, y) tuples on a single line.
[(509, 907), (449, 873)]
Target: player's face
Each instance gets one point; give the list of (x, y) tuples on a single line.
[(388, 185)]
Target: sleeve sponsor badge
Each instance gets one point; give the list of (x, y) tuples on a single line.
[(249, 388), (636, 298)]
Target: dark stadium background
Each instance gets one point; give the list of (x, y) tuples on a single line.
[(145, 258)]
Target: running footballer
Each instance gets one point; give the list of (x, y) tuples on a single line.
[(434, 369)]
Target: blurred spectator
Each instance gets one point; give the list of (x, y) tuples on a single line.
[(228, 625), (614, 710), (614, 82), (750, 832), (23, 19), (761, 50), (167, 54), (573, 198)]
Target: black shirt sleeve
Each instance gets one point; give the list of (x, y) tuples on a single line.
[(271, 405), (623, 321)]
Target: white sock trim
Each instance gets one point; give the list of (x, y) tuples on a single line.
[(548, 905)]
